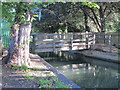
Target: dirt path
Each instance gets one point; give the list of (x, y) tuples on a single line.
[(15, 79)]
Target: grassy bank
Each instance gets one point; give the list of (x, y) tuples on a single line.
[(45, 79)]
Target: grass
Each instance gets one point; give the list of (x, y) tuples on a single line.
[(48, 82), (51, 82), (20, 68), (118, 52), (44, 82), (23, 68), (29, 77)]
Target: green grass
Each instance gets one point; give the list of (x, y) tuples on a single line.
[(48, 82), (23, 68), (118, 52), (44, 82), (53, 82), (29, 77), (20, 68)]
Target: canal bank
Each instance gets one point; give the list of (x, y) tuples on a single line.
[(40, 62), (104, 56)]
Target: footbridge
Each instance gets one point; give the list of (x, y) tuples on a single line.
[(65, 42)]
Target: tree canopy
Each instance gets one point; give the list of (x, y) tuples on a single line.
[(52, 17)]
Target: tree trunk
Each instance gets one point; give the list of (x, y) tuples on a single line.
[(19, 45), (86, 21), (102, 19)]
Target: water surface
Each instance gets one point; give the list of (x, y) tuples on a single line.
[(85, 72)]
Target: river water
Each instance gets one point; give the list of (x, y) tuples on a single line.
[(85, 72)]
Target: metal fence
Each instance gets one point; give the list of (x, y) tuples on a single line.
[(5, 34)]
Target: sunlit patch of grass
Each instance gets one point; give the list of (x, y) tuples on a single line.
[(47, 82), (23, 68), (52, 82), (46, 79), (20, 68)]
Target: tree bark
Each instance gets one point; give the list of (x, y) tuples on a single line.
[(102, 19), (86, 21), (19, 46)]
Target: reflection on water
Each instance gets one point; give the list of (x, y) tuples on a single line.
[(87, 73)]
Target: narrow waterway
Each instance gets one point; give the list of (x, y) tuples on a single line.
[(85, 72)]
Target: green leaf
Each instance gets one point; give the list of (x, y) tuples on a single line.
[(34, 19), (22, 46), (35, 15), (44, 5)]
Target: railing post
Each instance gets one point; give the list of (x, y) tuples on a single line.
[(33, 44), (71, 41), (53, 43), (0, 46), (86, 36), (94, 38), (110, 43)]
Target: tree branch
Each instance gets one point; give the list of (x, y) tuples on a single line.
[(105, 9), (96, 19), (108, 14)]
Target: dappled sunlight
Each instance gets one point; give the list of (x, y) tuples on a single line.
[(87, 73), (40, 73)]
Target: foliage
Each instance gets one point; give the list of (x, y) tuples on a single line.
[(89, 4), (20, 68), (100, 15)]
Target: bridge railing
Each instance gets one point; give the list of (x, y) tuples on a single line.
[(62, 42), (0, 45), (107, 39)]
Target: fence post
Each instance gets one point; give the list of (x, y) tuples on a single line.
[(33, 44), (71, 42), (53, 43), (110, 43), (86, 36), (94, 38), (0, 46)]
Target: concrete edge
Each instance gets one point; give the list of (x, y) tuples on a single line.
[(101, 58), (59, 75)]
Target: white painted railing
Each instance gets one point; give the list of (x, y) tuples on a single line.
[(70, 41)]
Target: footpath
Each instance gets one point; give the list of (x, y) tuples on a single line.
[(16, 79)]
